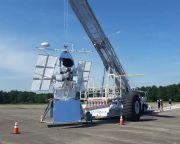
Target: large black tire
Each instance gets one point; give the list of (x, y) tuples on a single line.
[(132, 108)]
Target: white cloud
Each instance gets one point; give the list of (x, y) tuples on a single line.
[(16, 62)]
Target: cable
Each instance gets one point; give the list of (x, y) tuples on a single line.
[(66, 15), (67, 19), (64, 20)]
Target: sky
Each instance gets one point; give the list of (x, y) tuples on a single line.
[(144, 33)]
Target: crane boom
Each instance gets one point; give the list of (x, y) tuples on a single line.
[(101, 43)]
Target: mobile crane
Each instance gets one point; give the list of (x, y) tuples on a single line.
[(131, 100)]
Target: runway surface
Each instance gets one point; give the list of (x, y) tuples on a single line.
[(154, 128)]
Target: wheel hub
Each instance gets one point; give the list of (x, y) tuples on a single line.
[(137, 107)]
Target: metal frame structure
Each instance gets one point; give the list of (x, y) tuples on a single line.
[(99, 40), (127, 98)]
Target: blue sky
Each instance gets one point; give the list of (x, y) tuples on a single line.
[(144, 33)]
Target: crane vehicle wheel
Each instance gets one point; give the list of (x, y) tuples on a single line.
[(132, 108), (144, 108), (136, 109)]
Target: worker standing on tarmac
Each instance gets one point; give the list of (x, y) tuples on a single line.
[(170, 103), (158, 103), (89, 117)]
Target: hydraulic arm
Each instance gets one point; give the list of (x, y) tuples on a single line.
[(99, 40)]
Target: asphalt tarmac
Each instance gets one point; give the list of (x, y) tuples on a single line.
[(154, 128)]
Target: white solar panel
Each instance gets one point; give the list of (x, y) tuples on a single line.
[(83, 86), (38, 72), (41, 61), (87, 66), (48, 73), (51, 61), (43, 72), (80, 66), (45, 85), (36, 85), (83, 74)]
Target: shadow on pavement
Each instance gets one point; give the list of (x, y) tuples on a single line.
[(159, 114), (147, 119), (96, 122), (114, 120), (164, 116)]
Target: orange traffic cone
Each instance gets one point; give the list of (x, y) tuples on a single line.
[(16, 129), (121, 121)]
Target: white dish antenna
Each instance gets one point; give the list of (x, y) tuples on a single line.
[(45, 45)]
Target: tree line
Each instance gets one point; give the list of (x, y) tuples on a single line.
[(153, 93), (162, 92), (24, 97)]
